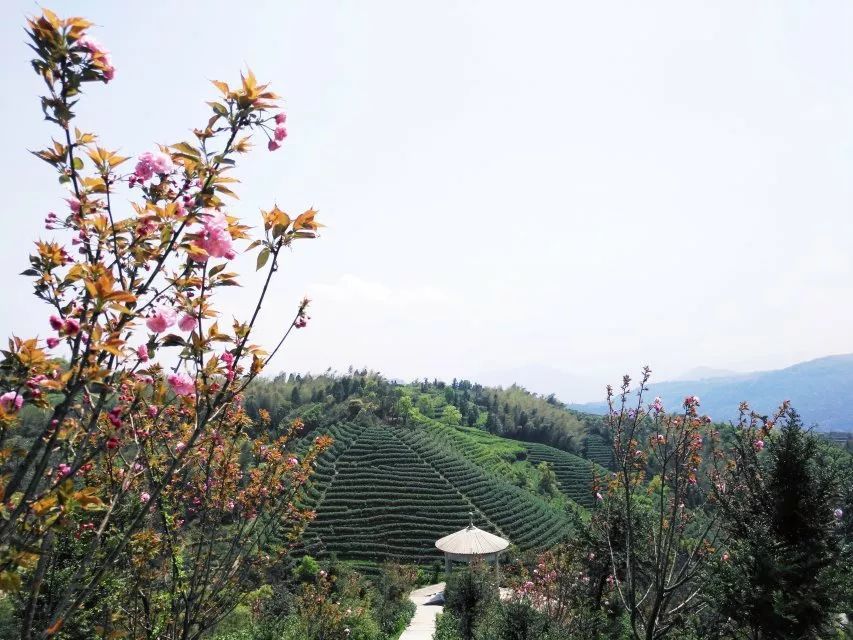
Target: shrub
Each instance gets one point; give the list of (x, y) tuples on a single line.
[(471, 595)]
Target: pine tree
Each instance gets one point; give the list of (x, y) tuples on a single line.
[(782, 576)]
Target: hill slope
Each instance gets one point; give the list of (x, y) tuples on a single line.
[(390, 491), (818, 389)]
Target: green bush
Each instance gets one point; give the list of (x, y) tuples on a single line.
[(446, 627), (471, 595)]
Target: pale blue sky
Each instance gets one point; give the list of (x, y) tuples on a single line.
[(589, 186)]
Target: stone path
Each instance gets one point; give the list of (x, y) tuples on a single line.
[(422, 625)]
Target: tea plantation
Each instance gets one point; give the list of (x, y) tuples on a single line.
[(390, 491), (574, 474)]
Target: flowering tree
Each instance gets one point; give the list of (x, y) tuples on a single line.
[(658, 530), (142, 465), (564, 587)]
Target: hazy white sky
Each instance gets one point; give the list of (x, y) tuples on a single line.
[(589, 186)]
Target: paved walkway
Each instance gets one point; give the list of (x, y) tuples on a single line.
[(422, 625)]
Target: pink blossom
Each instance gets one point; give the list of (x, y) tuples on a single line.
[(180, 447), (71, 326), (153, 411), (144, 497), (109, 70), (838, 513), (272, 145), (181, 384), (280, 117), (73, 204), (691, 401), (152, 162), (56, 323), (228, 359), (214, 240), (187, 322), (63, 470), (598, 496), (114, 416), (759, 445), (11, 401), (292, 461), (161, 319), (280, 133), (91, 45), (726, 556), (52, 342), (657, 405), (142, 353)]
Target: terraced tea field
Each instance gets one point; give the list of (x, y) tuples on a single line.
[(389, 492), (598, 450), (574, 474)]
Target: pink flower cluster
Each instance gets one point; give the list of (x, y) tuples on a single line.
[(279, 134), (68, 326), (161, 319), (98, 51), (11, 401), (228, 359), (150, 163), (187, 322), (181, 384), (214, 240)]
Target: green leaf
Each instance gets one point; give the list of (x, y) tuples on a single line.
[(78, 163), (263, 256)]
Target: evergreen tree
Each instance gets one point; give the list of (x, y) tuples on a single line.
[(783, 575)]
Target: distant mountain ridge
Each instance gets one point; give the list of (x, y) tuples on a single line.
[(820, 390)]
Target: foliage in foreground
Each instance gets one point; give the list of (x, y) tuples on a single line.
[(138, 501), (331, 603)]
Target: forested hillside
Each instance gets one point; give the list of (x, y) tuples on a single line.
[(410, 462), (512, 412)]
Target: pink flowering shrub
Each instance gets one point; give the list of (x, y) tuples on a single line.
[(561, 585), (653, 513), (142, 461)]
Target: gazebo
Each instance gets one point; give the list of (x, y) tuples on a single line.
[(469, 543)]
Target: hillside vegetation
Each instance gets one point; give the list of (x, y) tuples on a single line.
[(404, 469)]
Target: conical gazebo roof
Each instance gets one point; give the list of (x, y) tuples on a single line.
[(471, 542)]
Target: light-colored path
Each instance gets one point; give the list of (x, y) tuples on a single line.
[(422, 625)]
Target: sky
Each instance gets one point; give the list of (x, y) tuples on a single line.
[(574, 187)]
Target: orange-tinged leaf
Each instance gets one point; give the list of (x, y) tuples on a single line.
[(222, 86)]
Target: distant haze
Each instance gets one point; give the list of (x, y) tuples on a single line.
[(818, 389)]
